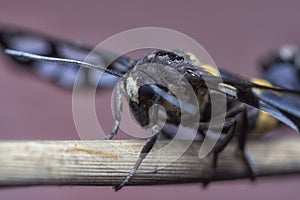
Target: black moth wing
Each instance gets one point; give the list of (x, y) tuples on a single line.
[(281, 103), (62, 74)]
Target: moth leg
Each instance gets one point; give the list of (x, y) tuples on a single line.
[(241, 151), (155, 129), (239, 128), (242, 130), (218, 149), (202, 126), (117, 112), (144, 152)]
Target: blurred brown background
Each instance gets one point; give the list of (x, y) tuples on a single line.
[(235, 33)]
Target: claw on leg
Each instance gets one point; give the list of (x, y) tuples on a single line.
[(249, 163)]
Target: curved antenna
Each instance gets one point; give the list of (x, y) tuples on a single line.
[(31, 56)]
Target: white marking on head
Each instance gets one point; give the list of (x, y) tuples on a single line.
[(132, 89)]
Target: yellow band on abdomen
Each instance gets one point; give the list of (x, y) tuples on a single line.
[(264, 122)]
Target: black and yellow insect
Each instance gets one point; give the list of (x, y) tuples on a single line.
[(252, 106)]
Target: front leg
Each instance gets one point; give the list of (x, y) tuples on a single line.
[(117, 112), (144, 152)]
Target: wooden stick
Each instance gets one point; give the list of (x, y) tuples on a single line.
[(102, 162)]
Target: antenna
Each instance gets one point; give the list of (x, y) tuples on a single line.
[(31, 56)]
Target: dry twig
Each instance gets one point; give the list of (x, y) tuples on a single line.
[(107, 162)]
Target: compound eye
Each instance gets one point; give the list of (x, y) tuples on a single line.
[(146, 91)]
